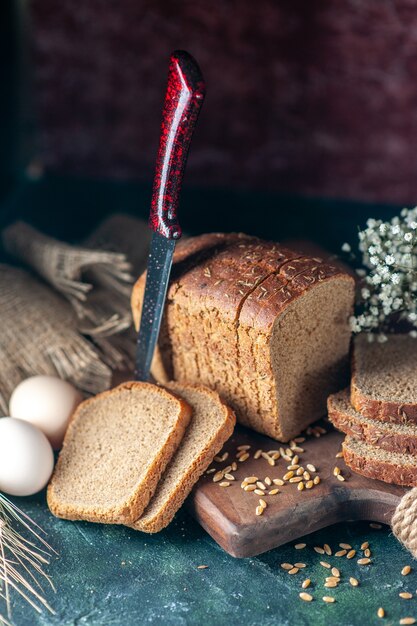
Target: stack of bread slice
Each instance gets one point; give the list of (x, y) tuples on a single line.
[(378, 413), (132, 455)]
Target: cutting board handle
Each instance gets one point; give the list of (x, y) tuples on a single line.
[(183, 100)]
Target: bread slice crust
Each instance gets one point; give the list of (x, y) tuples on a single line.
[(346, 419), (379, 408), (129, 508), (398, 469), (161, 510)]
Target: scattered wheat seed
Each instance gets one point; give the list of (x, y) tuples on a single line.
[(318, 550), (259, 492), (375, 525), (300, 486), (300, 471), (363, 561), (328, 599), (268, 481), (330, 584), (278, 481), (306, 597), (210, 471), (311, 468), (339, 455), (244, 457), (406, 595), (260, 485), (217, 477), (406, 570), (271, 462), (289, 452), (273, 492), (365, 545), (259, 510), (309, 484), (325, 564), (327, 549), (293, 467), (295, 479), (294, 570), (229, 477), (405, 621), (299, 439), (340, 553), (262, 503), (202, 566), (250, 488), (351, 554), (225, 483), (341, 478), (287, 565), (345, 546), (234, 466), (288, 475), (257, 454), (300, 565), (380, 612), (367, 552), (316, 480), (250, 479), (306, 583), (245, 447), (300, 546), (333, 579), (354, 581), (295, 459), (307, 476), (335, 572)]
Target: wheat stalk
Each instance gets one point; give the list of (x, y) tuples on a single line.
[(22, 559)]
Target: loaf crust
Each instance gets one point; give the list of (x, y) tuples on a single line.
[(371, 431), (135, 502), (387, 471)]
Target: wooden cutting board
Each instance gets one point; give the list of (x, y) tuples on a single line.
[(228, 514)]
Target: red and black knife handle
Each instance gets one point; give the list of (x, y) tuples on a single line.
[(184, 97)]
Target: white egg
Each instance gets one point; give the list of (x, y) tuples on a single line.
[(47, 402), (26, 458)]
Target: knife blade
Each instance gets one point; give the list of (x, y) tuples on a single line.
[(183, 100)]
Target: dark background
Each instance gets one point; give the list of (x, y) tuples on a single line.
[(309, 125)]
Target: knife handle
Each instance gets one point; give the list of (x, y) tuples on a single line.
[(184, 97)]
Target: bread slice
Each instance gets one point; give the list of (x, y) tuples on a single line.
[(211, 426), (115, 450), (391, 467), (384, 379), (391, 437)]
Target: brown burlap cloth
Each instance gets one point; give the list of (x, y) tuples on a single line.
[(74, 320), (39, 336)]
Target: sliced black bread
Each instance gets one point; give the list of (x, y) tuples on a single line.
[(373, 462), (390, 437), (116, 448), (211, 426), (384, 379)]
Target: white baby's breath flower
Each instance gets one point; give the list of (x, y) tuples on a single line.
[(346, 247), (389, 271)]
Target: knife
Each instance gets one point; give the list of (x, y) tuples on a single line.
[(183, 100)]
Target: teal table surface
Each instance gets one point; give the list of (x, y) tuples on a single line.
[(114, 576), (111, 576)]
